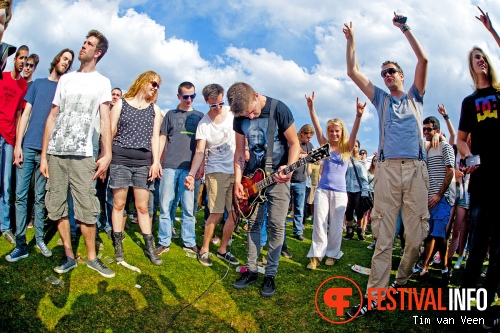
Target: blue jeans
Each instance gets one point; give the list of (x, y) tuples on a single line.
[(298, 193), (31, 163), (6, 154), (172, 184)]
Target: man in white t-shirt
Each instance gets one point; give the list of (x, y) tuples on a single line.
[(80, 96), (215, 133)]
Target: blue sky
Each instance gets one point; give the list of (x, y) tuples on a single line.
[(284, 49)]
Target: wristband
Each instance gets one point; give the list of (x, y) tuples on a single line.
[(404, 28), (190, 174), (446, 117), (359, 115)]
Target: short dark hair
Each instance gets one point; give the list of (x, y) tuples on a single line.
[(102, 44), (185, 84), (57, 58), (239, 96), (21, 48), (35, 58), (213, 90), (432, 120), (394, 63), (116, 88)]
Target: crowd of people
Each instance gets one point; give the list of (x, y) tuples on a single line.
[(82, 151)]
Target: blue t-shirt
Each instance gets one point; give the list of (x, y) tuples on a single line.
[(401, 128), (333, 175), (40, 96)]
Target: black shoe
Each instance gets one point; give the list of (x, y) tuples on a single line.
[(246, 279), (117, 244), (360, 233), (362, 308), (286, 254), (299, 237), (395, 286), (349, 233), (268, 288)]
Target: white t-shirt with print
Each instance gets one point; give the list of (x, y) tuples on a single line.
[(220, 143), (78, 96)]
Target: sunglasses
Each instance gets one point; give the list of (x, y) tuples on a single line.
[(391, 71), (213, 106), (155, 84), (363, 153), (427, 129), (186, 97), (30, 65)]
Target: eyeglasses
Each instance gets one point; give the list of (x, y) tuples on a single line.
[(363, 153), (213, 106), (186, 97), (391, 71), (30, 65), (155, 84), (427, 129)]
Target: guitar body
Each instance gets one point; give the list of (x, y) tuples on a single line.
[(246, 207)]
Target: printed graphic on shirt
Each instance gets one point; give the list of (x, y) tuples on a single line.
[(486, 107)]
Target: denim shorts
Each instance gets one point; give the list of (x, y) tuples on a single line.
[(121, 176), (462, 201), (440, 215)]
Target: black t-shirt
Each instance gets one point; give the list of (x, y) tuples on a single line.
[(256, 132), (479, 117), (300, 175)]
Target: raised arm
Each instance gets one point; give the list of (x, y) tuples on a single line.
[(451, 129), (360, 108), (314, 119), (352, 64), (485, 20), (422, 61)]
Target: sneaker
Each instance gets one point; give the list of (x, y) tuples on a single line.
[(65, 265), (458, 264), (395, 286), (228, 257), (299, 237), (216, 240), (204, 259), (246, 279), (314, 263), (285, 253), (349, 233), (98, 265), (162, 249), (372, 245), (361, 234), (44, 249), (268, 287), (175, 234), (330, 261), (16, 254), (363, 309), (193, 249), (9, 236)]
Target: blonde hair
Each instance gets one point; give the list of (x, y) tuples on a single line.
[(140, 83), (492, 76), (345, 150), (307, 128)]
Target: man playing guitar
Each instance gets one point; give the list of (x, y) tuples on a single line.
[(252, 116)]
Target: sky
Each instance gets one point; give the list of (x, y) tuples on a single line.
[(283, 48)]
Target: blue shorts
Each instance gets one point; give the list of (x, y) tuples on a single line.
[(440, 215)]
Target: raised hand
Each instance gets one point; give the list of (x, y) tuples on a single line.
[(310, 100), (442, 110), (360, 108), (397, 24), (485, 19), (348, 31)]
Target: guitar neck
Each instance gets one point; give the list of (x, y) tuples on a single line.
[(270, 180)]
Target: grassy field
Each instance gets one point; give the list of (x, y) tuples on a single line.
[(167, 298)]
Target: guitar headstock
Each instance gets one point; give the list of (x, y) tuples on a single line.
[(318, 154)]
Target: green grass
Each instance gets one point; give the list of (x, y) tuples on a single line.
[(88, 302)]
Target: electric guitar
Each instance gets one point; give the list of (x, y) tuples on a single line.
[(254, 186)]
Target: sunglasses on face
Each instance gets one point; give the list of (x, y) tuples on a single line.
[(363, 153), (30, 65), (186, 97), (155, 84), (213, 106), (391, 71), (427, 129)]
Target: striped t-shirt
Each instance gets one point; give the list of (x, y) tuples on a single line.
[(437, 160)]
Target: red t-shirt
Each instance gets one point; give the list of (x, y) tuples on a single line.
[(12, 94)]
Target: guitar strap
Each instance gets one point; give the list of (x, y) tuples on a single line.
[(271, 128)]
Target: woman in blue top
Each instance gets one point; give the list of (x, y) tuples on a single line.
[(330, 199)]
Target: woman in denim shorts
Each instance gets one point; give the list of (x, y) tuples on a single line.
[(135, 126)]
